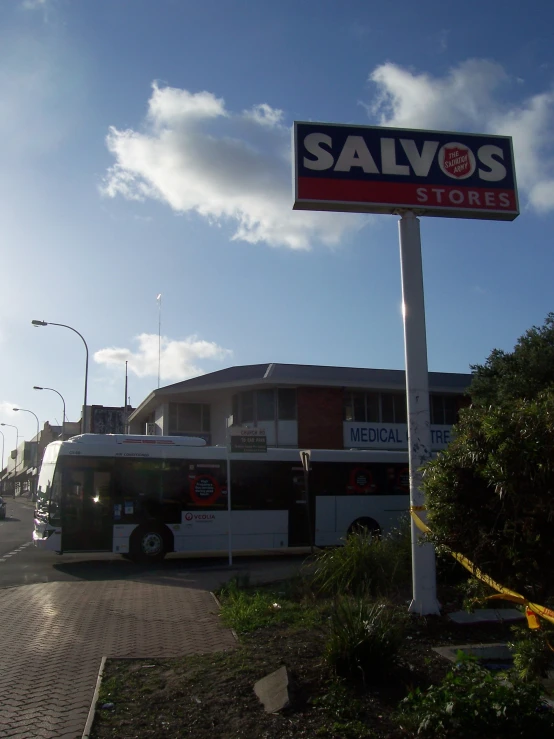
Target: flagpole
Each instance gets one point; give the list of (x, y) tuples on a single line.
[(229, 507), (159, 299), (125, 412)]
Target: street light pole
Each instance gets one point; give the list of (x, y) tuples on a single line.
[(16, 449), (2, 433), (63, 325), (38, 426), (16, 434), (37, 387), (25, 410)]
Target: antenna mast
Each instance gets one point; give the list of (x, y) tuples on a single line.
[(159, 299)]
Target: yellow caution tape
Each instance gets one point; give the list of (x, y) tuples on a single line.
[(532, 610)]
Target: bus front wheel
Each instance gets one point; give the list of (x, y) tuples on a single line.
[(148, 544), (365, 526)]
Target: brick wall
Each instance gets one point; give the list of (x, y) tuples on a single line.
[(320, 417)]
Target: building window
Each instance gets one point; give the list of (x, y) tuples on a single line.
[(444, 409), (391, 407), (374, 407), (247, 409), (287, 404), (360, 406), (264, 405), (186, 418)]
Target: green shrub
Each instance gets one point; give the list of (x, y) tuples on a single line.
[(473, 591), (249, 609), (364, 638), (365, 565), (473, 703), (532, 655)]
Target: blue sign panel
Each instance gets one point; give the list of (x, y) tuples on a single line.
[(362, 435), (381, 170)]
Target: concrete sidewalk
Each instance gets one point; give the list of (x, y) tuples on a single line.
[(55, 634)]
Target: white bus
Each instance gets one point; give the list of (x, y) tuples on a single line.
[(145, 496)]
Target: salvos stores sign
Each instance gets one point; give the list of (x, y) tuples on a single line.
[(381, 170)]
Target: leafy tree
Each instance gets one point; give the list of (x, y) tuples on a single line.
[(523, 373), (490, 494)]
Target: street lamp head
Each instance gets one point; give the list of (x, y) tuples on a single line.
[(36, 387), (64, 325), (15, 409)]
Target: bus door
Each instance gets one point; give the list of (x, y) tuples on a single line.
[(86, 510), (301, 511)]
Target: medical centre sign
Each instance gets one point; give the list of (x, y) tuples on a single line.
[(357, 435), (371, 169)]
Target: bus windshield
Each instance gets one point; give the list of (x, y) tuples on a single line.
[(49, 488)]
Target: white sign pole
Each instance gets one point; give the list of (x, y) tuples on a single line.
[(229, 508), (228, 444), (424, 599)]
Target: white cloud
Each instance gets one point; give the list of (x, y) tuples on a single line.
[(7, 408), (470, 97), (198, 157), (178, 358), (265, 115), (43, 6), (542, 196), (462, 97), (169, 106), (33, 4)]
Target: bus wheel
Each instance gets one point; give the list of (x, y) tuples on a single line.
[(148, 544), (365, 525)]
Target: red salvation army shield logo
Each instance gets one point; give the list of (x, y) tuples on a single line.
[(204, 490), (456, 161), (361, 480)]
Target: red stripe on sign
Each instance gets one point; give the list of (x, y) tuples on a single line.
[(404, 193)]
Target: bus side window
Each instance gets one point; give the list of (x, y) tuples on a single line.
[(101, 487), (263, 486)]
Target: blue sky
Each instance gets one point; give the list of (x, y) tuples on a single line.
[(146, 150)]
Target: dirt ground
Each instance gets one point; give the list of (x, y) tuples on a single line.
[(212, 697)]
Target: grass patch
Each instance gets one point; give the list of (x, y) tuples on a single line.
[(247, 610), (110, 691), (365, 565), (343, 710)]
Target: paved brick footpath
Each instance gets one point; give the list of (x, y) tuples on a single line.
[(54, 635)]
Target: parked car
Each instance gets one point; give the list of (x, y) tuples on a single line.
[(2, 507)]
